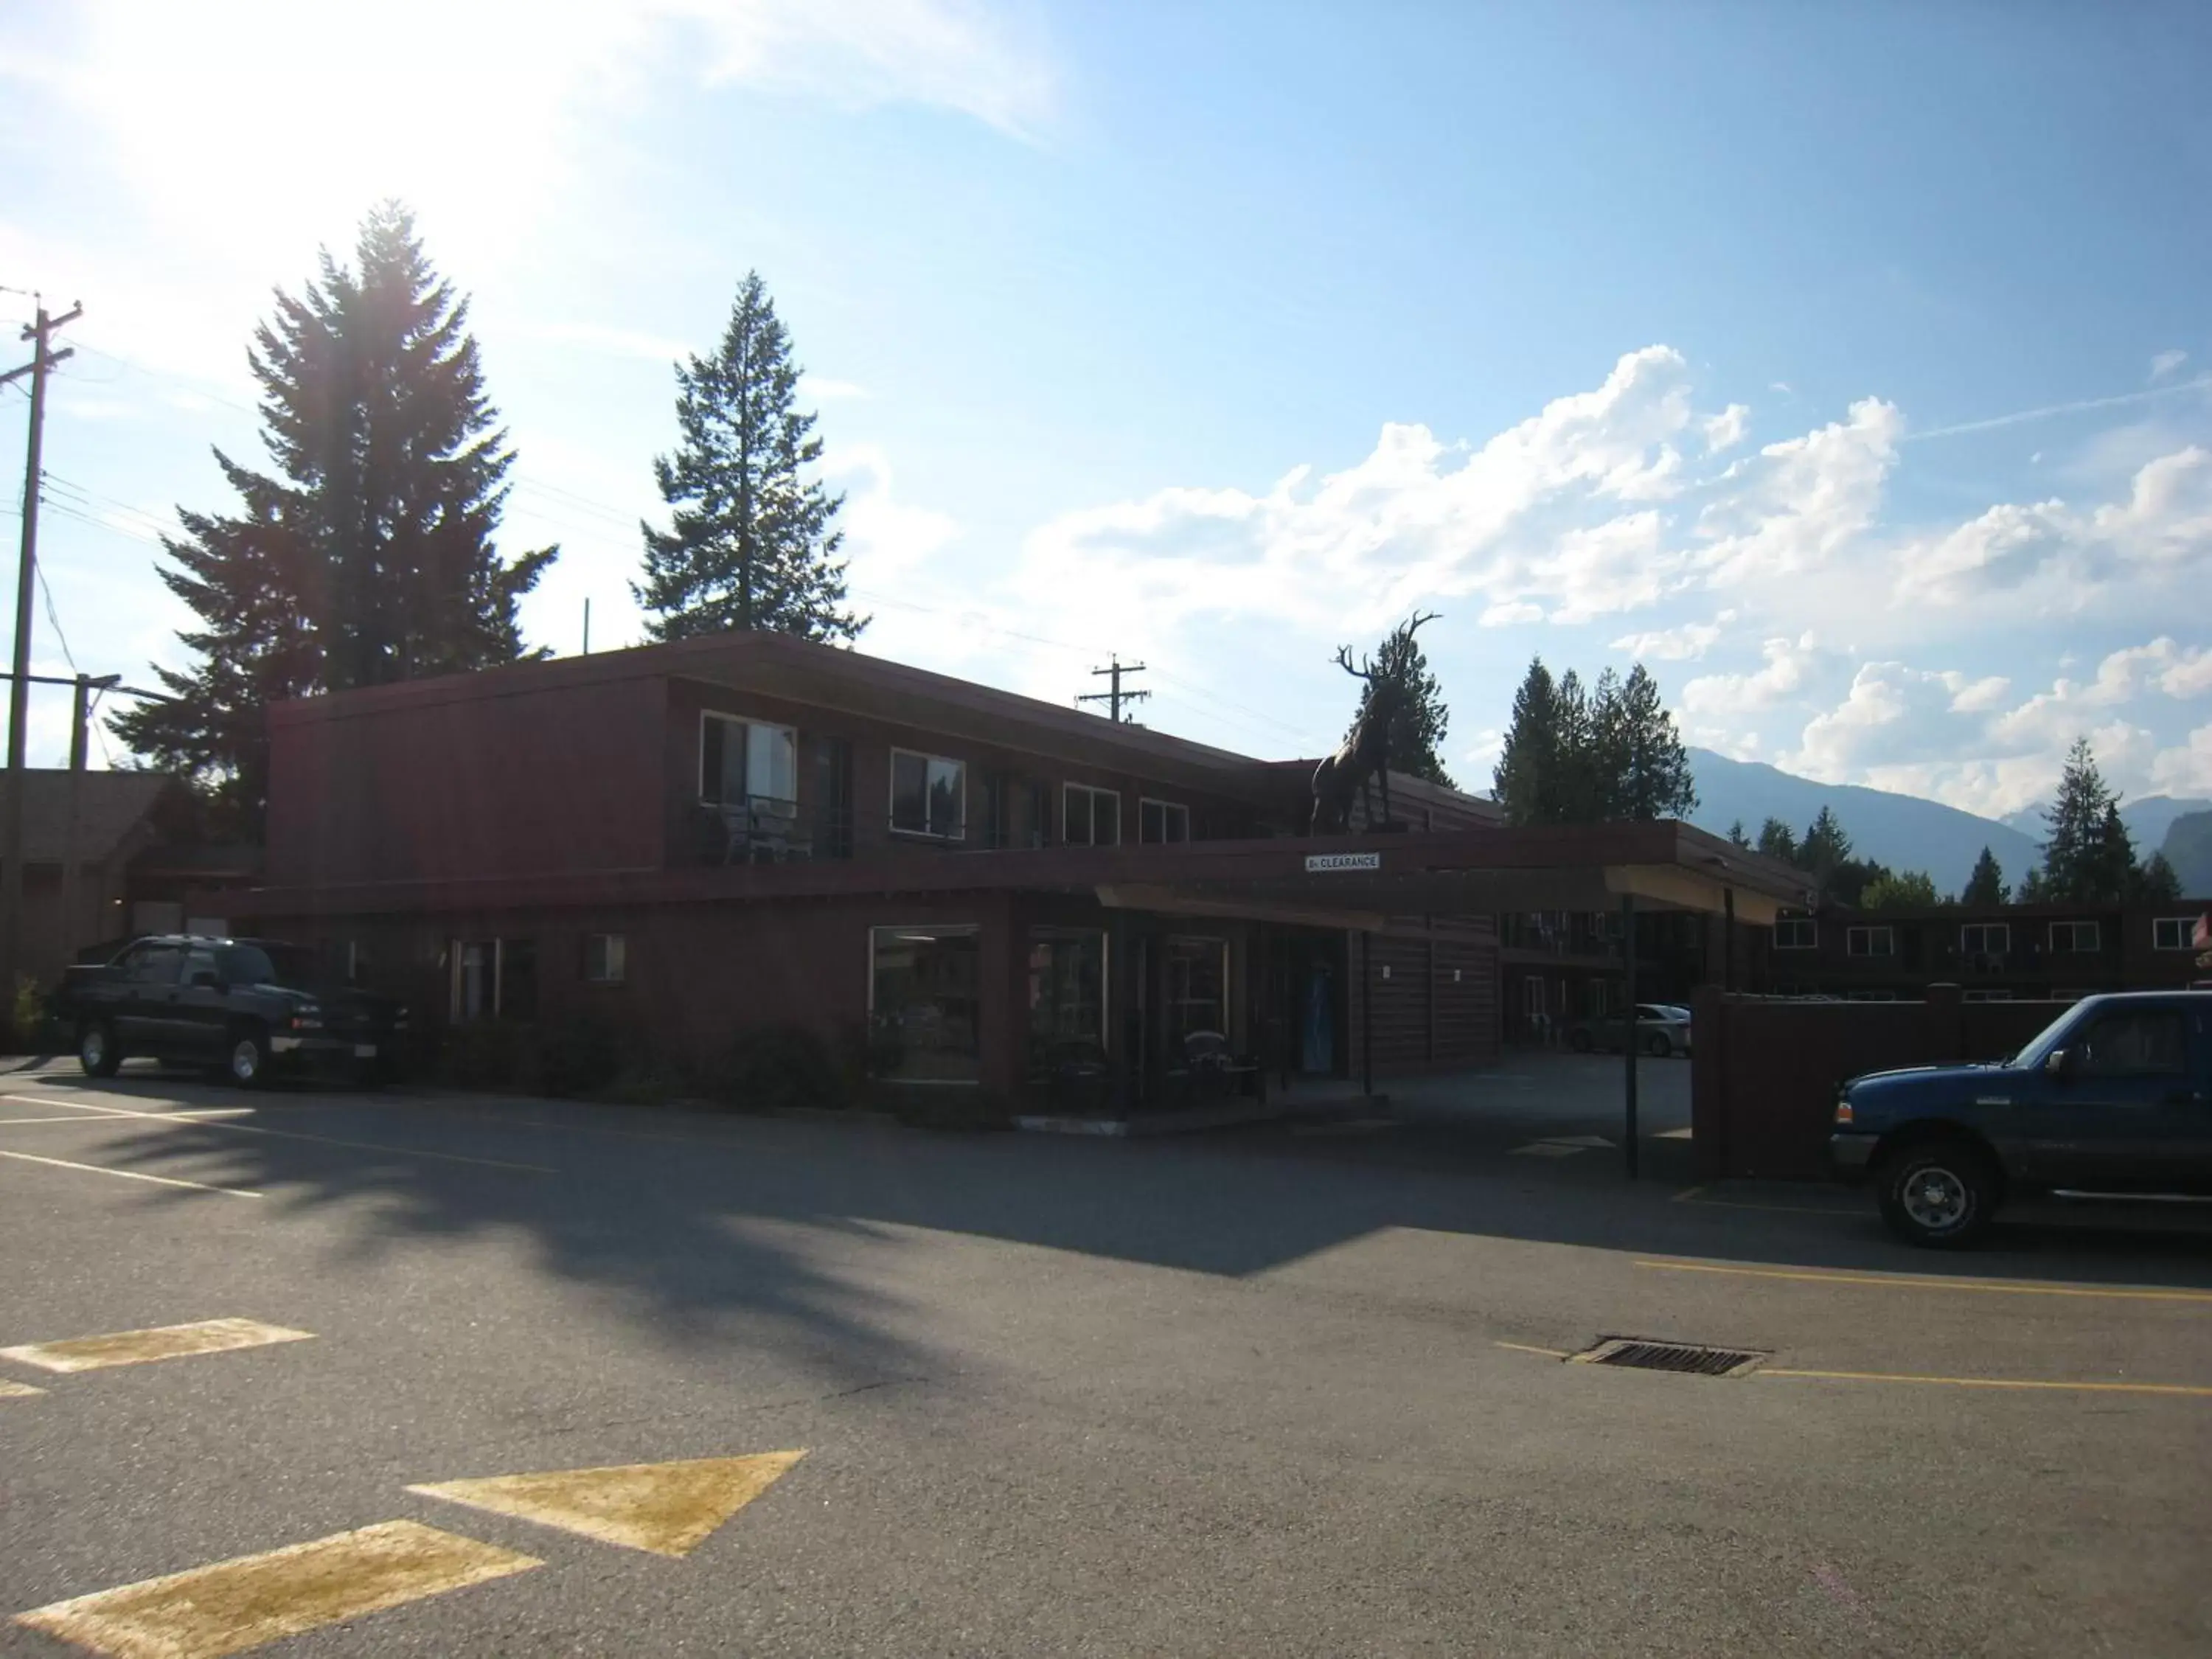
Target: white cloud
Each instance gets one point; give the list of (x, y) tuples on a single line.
[(2166, 364), (1726, 429), (1804, 499), (1685, 643), (2185, 769), (1718, 695), (1552, 514), (2049, 558), (822, 390)]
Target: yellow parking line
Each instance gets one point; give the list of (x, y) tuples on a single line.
[(17, 1390), (131, 1174), (1900, 1282), (234, 1605), (1525, 1347), (2189, 1390), (325, 1140), (93, 1353)]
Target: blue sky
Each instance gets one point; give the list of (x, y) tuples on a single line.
[(1848, 365)]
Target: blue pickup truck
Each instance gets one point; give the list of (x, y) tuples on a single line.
[(2114, 1095)]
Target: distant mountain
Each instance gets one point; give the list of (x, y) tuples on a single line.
[(2148, 819), (1902, 831), (2188, 848)]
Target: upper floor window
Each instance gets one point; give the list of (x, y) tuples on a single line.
[(1871, 941), (1985, 939), (929, 795), (1090, 818), (741, 760), (606, 958), (1797, 933), (1163, 820), (2172, 932), (2074, 936)]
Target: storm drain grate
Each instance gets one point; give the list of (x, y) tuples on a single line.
[(1638, 1353)]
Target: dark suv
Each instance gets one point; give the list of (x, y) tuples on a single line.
[(245, 1006), (2114, 1095)]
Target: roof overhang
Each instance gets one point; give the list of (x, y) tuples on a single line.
[(1351, 881)]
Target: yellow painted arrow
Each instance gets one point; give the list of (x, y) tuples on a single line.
[(668, 1508)]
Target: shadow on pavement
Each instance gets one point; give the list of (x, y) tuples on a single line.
[(701, 1216)]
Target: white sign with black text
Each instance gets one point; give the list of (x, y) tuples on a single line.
[(1318, 862)]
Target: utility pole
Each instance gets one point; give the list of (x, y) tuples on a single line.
[(1114, 698), (43, 359)]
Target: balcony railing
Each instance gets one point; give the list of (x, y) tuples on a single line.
[(763, 831)]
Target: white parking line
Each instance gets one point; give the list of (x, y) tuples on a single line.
[(295, 1134), (131, 1175)]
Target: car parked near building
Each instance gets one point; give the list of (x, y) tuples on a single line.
[(1662, 1029), (2114, 1096), (243, 1006)]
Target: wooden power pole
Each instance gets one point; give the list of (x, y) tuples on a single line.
[(43, 359)]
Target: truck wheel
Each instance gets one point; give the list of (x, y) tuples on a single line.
[(1940, 1194), (248, 1059), (97, 1051)]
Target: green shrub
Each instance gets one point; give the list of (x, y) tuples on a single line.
[(775, 1068), (579, 1057), (28, 1022), (486, 1055)]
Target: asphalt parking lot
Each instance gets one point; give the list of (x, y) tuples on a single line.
[(1305, 1388)]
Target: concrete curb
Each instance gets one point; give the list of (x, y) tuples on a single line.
[(1199, 1119)]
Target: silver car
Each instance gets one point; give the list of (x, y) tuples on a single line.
[(1662, 1029)]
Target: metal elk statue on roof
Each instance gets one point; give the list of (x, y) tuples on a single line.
[(1363, 756)]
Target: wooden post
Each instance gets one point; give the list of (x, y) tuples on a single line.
[(1628, 1013), (1727, 938), (1366, 1017)]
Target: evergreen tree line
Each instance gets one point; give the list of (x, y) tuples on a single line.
[(368, 553), (1574, 754), (2088, 857)]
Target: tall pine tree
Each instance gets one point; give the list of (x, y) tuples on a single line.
[(1646, 771), (1986, 885), (751, 543), (369, 557), (1573, 755), (1526, 780)]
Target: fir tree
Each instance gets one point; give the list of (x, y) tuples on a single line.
[(2031, 889), (1826, 848), (1986, 885), (1736, 836), (1777, 840), (1526, 780), (2076, 848), (2155, 883), (1646, 772), (369, 557), (751, 543)]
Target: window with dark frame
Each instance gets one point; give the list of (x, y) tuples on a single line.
[(925, 1001), (929, 795), (2074, 936), (1984, 938), (1090, 817), (743, 762), (1797, 933), (2172, 932), (2139, 1042), (1871, 941), (1162, 820), (606, 958)]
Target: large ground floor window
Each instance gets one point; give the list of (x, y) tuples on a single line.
[(1197, 988), (492, 979), (1067, 999), (923, 995)]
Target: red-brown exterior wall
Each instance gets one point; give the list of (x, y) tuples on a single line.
[(558, 778)]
